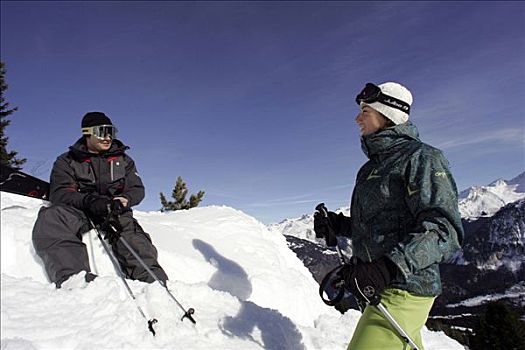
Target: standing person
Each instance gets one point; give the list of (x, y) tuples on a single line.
[(404, 220), (85, 182)]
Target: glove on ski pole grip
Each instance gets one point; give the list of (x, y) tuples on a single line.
[(322, 209), (330, 237)]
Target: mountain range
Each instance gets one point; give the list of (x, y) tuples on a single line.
[(474, 202), (478, 201)]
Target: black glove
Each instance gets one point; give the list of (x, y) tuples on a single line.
[(114, 226), (96, 205), (111, 224), (366, 280), (326, 227), (116, 208)]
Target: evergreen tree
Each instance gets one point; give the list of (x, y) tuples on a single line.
[(498, 328), (179, 193), (7, 158)]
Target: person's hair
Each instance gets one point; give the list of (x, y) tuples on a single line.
[(389, 123)]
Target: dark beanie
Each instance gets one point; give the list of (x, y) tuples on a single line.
[(94, 119)]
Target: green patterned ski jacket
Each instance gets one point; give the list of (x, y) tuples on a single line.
[(405, 207)]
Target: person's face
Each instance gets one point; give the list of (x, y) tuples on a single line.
[(369, 120), (95, 145)]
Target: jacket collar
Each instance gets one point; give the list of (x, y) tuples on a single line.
[(79, 149), (384, 142)]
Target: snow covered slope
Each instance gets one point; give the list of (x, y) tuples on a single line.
[(479, 201), (248, 289)]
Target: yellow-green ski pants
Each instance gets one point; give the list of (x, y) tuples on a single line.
[(374, 332)]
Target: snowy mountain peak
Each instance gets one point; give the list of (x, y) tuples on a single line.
[(478, 201), (519, 181), (498, 183)]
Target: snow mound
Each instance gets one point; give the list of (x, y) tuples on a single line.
[(249, 291)]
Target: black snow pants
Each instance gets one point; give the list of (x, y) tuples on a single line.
[(57, 238)]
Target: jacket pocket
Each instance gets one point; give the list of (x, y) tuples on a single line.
[(84, 176), (117, 169)]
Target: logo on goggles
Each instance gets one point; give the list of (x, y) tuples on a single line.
[(101, 131)]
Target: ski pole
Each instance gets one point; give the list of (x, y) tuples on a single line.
[(396, 325), (108, 223), (338, 284), (115, 263), (187, 313), (322, 209), (376, 301)]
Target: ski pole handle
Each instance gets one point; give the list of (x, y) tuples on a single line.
[(322, 209)]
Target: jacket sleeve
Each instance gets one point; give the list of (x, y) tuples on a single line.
[(431, 197), (134, 190), (63, 185)]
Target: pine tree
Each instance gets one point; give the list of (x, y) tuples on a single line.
[(7, 158), (498, 328), (179, 193)]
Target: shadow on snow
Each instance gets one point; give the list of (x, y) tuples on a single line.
[(276, 330)]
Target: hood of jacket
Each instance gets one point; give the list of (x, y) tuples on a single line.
[(384, 142)]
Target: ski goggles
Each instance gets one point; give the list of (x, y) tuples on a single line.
[(372, 93), (101, 131)]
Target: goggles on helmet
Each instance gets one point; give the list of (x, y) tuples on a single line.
[(372, 93), (101, 131)]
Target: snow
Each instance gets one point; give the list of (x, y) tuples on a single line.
[(249, 291), (479, 201), (516, 291)]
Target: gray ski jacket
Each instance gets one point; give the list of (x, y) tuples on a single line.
[(77, 173)]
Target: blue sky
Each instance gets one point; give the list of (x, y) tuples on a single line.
[(253, 102)]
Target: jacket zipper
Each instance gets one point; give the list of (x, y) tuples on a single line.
[(111, 170), (99, 175)]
